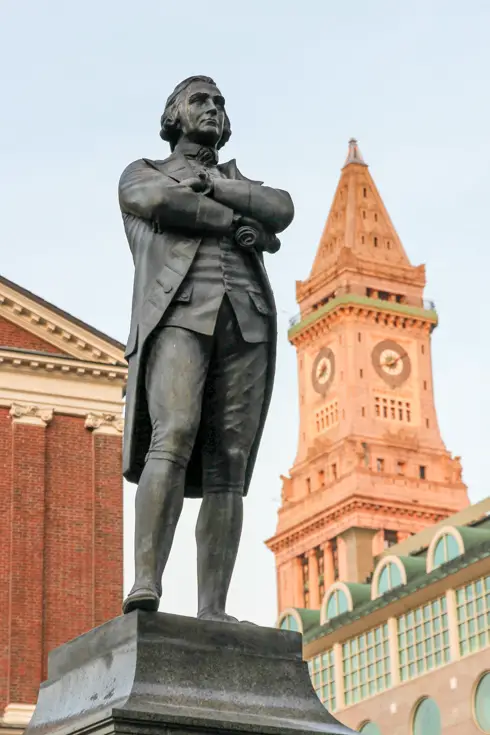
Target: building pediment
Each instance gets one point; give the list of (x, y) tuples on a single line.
[(54, 330)]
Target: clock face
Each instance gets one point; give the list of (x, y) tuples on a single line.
[(323, 370), (391, 362)]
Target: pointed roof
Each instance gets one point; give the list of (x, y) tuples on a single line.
[(44, 328), (358, 220)]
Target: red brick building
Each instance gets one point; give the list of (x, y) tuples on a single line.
[(61, 524)]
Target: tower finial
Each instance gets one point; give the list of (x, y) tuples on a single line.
[(354, 155)]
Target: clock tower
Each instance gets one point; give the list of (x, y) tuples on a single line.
[(371, 466)]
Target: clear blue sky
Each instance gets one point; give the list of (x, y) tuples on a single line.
[(82, 89)]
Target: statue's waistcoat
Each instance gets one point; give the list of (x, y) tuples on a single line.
[(220, 268)]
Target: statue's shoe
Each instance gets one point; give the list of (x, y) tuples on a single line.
[(221, 617), (141, 598), (217, 617)]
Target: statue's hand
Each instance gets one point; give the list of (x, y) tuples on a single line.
[(201, 184)]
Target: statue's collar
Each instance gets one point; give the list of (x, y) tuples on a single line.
[(204, 154)]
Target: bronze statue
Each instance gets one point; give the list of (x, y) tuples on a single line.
[(201, 347)]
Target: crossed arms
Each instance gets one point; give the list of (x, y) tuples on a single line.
[(147, 193)]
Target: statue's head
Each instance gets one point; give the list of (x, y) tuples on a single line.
[(196, 110)]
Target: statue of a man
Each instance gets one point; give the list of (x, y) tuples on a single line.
[(201, 347)]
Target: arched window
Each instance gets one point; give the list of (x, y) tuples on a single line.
[(289, 622), (427, 718), (482, 703), (390, 577), (369, 728), (446, 548), (337, 604)]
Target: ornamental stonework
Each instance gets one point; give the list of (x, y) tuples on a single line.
[(30, 414), (104, 423)]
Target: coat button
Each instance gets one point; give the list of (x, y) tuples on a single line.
[(167, 288)]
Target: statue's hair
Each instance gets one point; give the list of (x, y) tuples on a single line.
[(170, 125)]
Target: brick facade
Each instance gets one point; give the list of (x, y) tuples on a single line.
[(13, 336), (61, 504)]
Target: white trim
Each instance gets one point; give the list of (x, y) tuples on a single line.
[(445, 530), (392, 559), (473, 697), (333, 587), (18, 714), (294, 614)]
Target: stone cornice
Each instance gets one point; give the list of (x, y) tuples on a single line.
[(18, 360), (30, 414), (292, 536), (357, 307), (349, 262), (105, 423), (53, 328)]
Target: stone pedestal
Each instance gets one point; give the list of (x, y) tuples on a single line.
[(155, 673)]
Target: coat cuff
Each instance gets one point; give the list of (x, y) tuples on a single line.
[(213, 216)]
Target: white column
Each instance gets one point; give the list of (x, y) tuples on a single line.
[(452, 617), (339, 676), (393, 647)]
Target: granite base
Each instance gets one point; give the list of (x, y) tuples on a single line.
[(155, 673)]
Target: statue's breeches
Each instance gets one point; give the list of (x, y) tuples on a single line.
[(210, 390)]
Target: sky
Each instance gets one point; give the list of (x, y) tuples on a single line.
[(83, 86)]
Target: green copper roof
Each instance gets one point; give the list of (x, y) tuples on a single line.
[(309, 618), (346, 299), (422, 580), (360, 593), (473, 536)]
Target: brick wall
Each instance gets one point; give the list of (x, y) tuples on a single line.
[(5, 548), (13, 336), (61, 550)]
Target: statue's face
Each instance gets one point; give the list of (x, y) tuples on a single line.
[(202, 113)]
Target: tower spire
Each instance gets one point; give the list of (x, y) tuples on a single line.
[(354, 154), (358, 221)]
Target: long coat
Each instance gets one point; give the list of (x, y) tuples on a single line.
[(149, 191)]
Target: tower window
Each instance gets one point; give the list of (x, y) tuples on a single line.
[(380, 465), (390, 408), (335, 558), (327, 417), (321, 477), (334, 471), (427, 423), (359, 336), (363, 411), (422, 472), (422, 349), (401, 467), (320, 562), (388, 245), (364, 192), (390, 538), (362, 239), (360, 373), (306, 579), (425, 385), (375, 217), (308, 485), (375, 242), (363, 214)]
